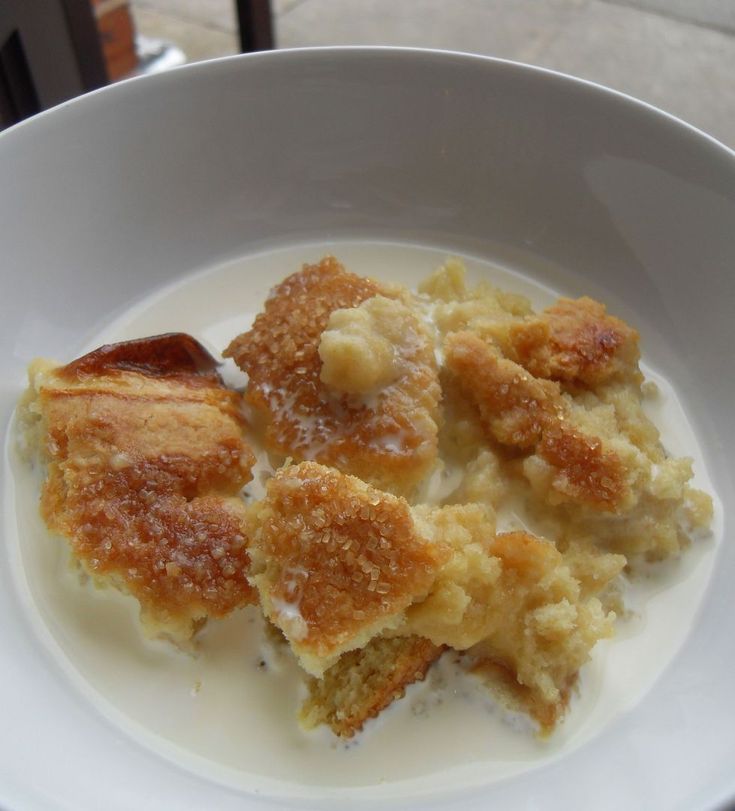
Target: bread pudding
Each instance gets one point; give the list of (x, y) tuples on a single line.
[(336, 561), (446, 472), (145, 457), (344, 374)]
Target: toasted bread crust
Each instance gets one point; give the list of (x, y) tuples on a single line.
[(575, 342), (515, 408), (143, 470), (586, 472), (364, 682), (168, 355), (335, 560), (380, 439), (523, 412)]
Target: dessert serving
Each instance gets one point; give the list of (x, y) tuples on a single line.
[(446, 473), (145, 456)]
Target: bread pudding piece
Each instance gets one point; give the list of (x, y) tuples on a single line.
[(336, 562), (514, 602), (515, 408), (667, 515), (344, 374), (483, 309), (364, 682), (593, 460), (550, 625), (522, 412), (145, 455), (575, 342)]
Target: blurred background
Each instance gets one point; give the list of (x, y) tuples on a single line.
[(676, 54)]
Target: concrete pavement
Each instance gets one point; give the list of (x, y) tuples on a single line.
[(676, 54)]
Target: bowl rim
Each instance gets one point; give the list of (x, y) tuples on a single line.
[(284, 54)]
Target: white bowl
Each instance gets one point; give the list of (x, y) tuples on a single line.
[(111, 197)]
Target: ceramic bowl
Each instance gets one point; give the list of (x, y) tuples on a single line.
[(114, 196)]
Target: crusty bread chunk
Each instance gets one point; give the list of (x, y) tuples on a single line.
[(558, 399), (336, 562), (592, 459), (364, 682), (344, 374), (529, 414), (576, 342), (515, 408), (513, 599), (368, 592), (548, 624), (145, 455)]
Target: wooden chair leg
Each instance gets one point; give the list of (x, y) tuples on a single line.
[(255, 23), (49, 52), (18, 97)]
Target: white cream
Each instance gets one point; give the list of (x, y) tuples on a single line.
[(288, 616), (230, 711)]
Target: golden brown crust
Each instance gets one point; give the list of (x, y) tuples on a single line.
[(515, 408), (364, 682), (168, 355), (335, 560), (523, 412), (380, 440), (183, 560), (189, 445), (575, 342), (142, 470), (586, 472)]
